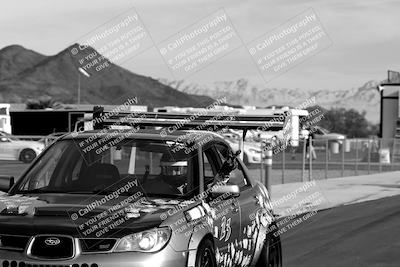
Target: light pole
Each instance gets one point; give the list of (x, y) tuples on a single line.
[(79, 82), (79, 88)]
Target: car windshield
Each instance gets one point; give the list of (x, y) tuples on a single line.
[(81, 167), (9, 136)]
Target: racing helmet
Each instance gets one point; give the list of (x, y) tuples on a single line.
[(174, 170)]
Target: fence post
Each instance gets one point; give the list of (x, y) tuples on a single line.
[(356, 167), (369, 156), (310, 161), (262, 162), (343, 144), (303, 160), (268, 170), (379, 154), (392, 159), (326, 158), (283, 166), (241, 146)]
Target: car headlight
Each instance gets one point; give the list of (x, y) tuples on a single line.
[(147, 241)]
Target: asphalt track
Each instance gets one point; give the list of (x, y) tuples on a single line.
[(364, 234)]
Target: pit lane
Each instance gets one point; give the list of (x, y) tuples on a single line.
[(364, 234)]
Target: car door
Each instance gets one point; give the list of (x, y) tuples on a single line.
[(226, 221), (247, 202), (7, 150)]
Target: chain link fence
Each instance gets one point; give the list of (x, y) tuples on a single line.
[(331, 158)]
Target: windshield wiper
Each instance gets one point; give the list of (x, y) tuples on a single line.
[(38, 191), (79, 192)]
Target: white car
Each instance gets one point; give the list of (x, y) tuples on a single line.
[(12, 148)]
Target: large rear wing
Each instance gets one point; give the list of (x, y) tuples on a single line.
[(192, 121)]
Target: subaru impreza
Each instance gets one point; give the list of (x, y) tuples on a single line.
[(118, 198)]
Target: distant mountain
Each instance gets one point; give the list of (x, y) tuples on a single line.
[(15, 59), (242, 92), (26, 74)]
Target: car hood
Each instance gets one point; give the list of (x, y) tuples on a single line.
[(75, 215)]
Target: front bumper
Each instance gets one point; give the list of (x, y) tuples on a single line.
[(164, 258)]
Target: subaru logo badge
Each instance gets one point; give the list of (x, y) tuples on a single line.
[(52, 241)]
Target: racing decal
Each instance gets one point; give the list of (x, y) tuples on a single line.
[(235, 256), (154, 205), (23, 205), (226, 229), (16, 204), (240, 253)]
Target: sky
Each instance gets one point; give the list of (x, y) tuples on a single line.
[(364, 34)]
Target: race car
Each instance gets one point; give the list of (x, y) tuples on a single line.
[(137, 198), (12, 148)]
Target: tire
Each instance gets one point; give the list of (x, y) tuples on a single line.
[(271, 253), (205, 256), (27, 155)]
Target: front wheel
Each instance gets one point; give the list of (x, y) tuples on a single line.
[(27, 155), (271, 254), (205, 256)]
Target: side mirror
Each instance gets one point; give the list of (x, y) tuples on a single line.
[(220, 190), (4, 139), (6, 182)]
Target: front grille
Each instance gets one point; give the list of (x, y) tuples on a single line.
[(13, 242), (93, 245), (23, 264), (52, 247)]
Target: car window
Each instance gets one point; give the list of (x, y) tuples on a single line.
[(210, 167), (222, 151), (134, 160), (77, 169), (160, 168), (237, 176), (43, 171)]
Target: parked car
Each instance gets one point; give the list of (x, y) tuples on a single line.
[(12, 148), (95, 199)]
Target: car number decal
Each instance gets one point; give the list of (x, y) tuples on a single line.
[(226, 229)]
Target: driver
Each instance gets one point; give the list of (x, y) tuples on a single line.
[(174, 172)]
